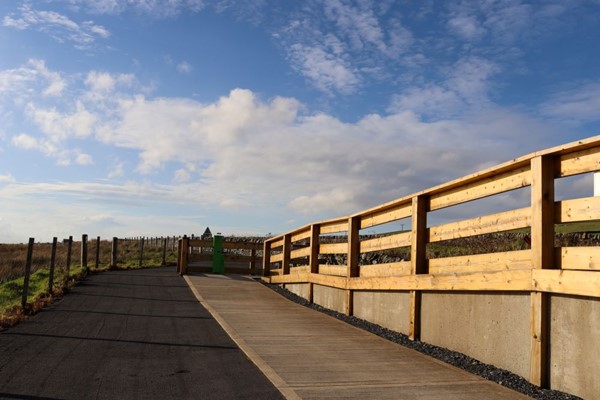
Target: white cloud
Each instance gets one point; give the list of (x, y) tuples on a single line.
[(117, 170), (84, 159), (466, 26), (100, 81), (7, 178), (327, 71), (311, 163), (25, 141), (61, 126), (184, 67), (182, 175), (154, 8), (578, 105), (58, 26), (18, 81)]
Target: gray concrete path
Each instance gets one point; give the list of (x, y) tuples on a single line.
[(138, 334), (310, 355)]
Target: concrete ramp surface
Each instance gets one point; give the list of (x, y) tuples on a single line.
[(310, 355)]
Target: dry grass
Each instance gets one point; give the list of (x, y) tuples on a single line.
[(12, 266)]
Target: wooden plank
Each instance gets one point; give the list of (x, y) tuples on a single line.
[(353, 256), (578, 258), (290, 278), (303, 234), (242, 245), (277, 243), (302, 269), (579, 162), (335, 226), (391, 269), (333, 248), (418, 237), (517, 178), (353, 246), (276, 257), (385, 242), (201, 243), (337, 270), (504, 221), (393, 213), (298, 253), (418, 261), (578, 283), (339, 282), (504, 261), (518, 280), (313, 260), (542, 257), (200, 257), (577, 210), (542, 210), (414, 327), (267, 259), (287, 247), (538, 374)]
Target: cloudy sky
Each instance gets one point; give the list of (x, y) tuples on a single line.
[(162, 117)]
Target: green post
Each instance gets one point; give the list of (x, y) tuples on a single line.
[(218, 257)]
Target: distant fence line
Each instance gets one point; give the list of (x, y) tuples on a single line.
[(90, 256)]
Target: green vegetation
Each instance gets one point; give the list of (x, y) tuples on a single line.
[(12, 262)]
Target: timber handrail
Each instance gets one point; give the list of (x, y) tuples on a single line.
[(541, 270), (250, 256)]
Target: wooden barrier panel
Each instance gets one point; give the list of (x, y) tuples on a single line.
[(539, 271)]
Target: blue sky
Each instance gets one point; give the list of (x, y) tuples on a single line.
[(162, 117)]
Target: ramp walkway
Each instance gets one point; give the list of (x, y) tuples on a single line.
[(310, 355)]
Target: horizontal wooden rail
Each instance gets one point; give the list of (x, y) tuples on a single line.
[(539, 270)]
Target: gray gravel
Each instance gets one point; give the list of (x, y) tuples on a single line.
[(487, 371)]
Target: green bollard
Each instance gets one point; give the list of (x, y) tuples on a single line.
[(218, 257)]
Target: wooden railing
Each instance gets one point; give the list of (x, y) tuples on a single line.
[(241, 256), (293, 257)]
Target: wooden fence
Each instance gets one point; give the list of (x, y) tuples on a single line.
[(89, 260), (241, 256), (293, 257)]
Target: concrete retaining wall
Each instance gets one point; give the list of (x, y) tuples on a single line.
[(575, 345), (491, 327), (387, 309), (328, 297), (300, 289)]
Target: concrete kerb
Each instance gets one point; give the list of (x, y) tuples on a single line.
[(271, 375)]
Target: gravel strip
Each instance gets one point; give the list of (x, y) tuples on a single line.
[(487, 371)]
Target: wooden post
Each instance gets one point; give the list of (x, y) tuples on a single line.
[(183, 254), (252, 261), (287, 248), (27, 273), (353, 269), (266, 258), (84, 253), (114, 252), (69, 251), (313, 258), (141, 251), (164, 252), (418, 263), (542, 253), (97, 252), (52, 262)]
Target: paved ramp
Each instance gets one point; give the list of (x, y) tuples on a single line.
[(309, 355), (138, 334)]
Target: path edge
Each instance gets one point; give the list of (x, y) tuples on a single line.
[(276, 380)]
